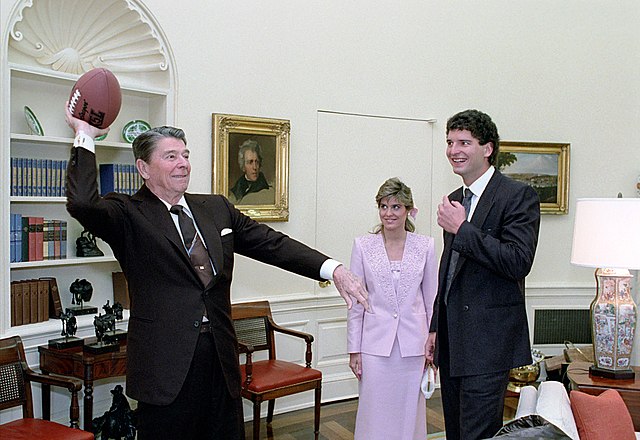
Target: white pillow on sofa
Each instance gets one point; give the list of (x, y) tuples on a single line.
[(554, 405)]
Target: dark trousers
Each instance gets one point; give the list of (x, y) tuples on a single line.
[(472, 405), (203, 409)]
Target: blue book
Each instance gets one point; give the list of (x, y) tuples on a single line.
[(48, 180), (108, 179), (14, 176), (63, 178), (20, 170), (12, 239), (18, 242), (38, 173)]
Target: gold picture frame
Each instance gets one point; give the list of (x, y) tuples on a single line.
[(260, 191), (544, 166)]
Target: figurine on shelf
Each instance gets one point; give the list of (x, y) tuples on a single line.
[(69, 328), (86, 245), (81, 291)]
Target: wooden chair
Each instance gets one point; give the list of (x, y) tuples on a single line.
[(272, 378), (15, 390)]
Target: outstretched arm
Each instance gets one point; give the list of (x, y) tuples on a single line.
[(350, 287)]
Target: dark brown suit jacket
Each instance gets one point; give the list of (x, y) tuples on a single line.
[(486, 316), (167, 296)]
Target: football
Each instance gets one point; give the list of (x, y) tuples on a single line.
[(96, 98)]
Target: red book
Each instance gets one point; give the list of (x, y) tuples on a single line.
[(57, 252)]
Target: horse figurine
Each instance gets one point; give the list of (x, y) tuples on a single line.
[(118, 422), (103, 324)]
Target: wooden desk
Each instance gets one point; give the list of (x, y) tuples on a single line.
[(86, 366), (578, 373)]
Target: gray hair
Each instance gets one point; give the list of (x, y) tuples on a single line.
[(145, 143), (249, 145)]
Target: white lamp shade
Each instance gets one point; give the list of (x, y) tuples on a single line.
[(606, 233)]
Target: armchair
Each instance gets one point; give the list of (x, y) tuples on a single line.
[(266, 380), (15, 390)]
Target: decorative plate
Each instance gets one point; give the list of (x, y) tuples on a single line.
[(101, 138), (32, 121), (132, 129)]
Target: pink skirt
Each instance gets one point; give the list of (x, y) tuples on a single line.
[(391, 405)]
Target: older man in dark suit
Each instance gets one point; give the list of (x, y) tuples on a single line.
[(479, 329), (177, 251)]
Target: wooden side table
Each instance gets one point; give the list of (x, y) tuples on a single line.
[(86, 366), (578, 373)]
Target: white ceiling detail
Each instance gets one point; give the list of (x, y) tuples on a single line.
[(75, 36)]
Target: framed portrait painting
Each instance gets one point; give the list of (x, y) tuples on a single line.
[(251, 164), (544, 166)]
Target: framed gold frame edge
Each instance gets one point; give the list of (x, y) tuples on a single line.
[(562, 149), (223, 125)]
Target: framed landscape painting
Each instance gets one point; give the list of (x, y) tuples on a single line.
[(544, 166), (251, 164)]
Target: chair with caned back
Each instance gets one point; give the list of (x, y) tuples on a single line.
[(15, 391), (266, 380)]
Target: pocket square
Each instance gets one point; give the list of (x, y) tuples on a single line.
[(225, 231)]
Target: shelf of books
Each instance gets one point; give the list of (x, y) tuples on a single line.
[(41, 240)]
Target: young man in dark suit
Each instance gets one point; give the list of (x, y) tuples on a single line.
[(182, 358), (479, 328)]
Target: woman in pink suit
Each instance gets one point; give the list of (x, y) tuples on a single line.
[(386, 344)]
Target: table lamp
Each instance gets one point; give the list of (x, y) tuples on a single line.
[(606, 236)]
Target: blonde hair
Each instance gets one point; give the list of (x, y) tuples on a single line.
[(394, 187)]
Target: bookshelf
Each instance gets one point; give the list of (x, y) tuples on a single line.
[(148, 85)]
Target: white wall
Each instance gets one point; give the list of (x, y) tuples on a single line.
[(545, 71)]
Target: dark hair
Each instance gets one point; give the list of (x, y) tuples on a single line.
[(145, 143), (480, 126), (394, 187)]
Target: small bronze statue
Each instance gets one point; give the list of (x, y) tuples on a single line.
[(86, 245), (118, 422), (107, 337), (69, 328), (81, 291), (69, 324), (117, 311)]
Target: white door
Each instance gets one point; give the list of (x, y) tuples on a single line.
[(356, 154)]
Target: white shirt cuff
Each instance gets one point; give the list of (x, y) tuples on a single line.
[(84, 141), (327, 268)]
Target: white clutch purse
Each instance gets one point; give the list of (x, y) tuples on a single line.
[(428, 384)]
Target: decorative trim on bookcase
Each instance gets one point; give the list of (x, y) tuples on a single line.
[(79, 36)]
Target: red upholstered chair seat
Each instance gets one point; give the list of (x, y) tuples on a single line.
[(272, 374), (28, 429)]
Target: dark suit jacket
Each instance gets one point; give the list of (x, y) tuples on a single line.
[(166, 294), (486, 316)]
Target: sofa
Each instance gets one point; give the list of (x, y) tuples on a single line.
[(550, 412)]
